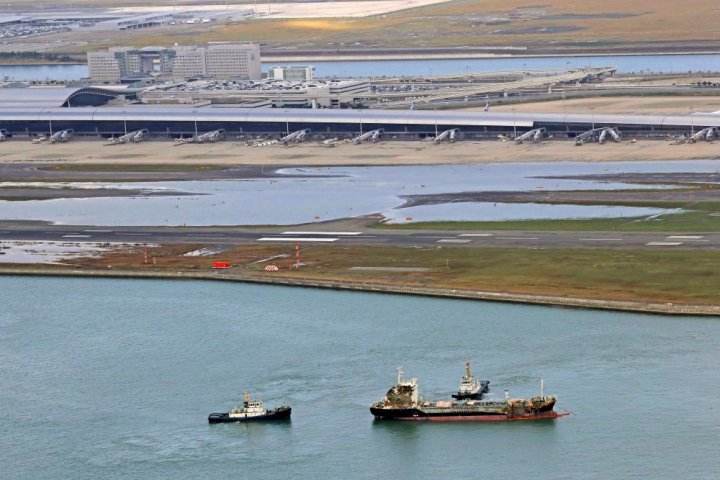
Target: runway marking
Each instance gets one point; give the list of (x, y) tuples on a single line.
[(684, 237), (98, 231), (134, 234), (76, 236), (601, 239), (663, 244), (333, 234), (517, 238), (452, 240), (295, 239), (475, 235)]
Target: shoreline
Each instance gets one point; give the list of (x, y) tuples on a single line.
[(359, 57), (271, 57), (541, 300)]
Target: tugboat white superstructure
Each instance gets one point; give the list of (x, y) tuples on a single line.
[(252, 410), (470, 387)]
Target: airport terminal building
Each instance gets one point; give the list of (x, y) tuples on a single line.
[(220, 60), (42, 111)]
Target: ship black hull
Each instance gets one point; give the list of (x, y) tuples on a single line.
[(415, 414), (281, 413)]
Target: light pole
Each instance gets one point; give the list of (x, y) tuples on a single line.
[(514, 125), (692, 121), (592, 117)]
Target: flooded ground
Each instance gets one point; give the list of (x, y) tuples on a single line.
[(310, 195)]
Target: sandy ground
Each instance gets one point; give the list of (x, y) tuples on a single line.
[(299, 10), (383, 153), (652, 105)]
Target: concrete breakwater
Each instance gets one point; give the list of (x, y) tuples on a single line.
[(549, 300)]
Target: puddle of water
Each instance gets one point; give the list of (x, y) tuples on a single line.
[(12, 251)]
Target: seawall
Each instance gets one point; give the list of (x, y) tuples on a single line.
[(548, 300)]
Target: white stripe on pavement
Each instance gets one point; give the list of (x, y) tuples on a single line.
[(333, 234), (601, 239), (663, 244), (684, 237), (76, 236), (295, 239), (452, 240), (475, 235)]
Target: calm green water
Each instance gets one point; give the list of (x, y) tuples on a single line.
[(115, 378)]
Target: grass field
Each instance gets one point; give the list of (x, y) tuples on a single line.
[(472, 22), (678, 276), (590, 25)]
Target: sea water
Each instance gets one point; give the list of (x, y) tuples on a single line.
[(109, 378)]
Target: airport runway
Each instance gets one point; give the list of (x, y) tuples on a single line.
[(322, 235)]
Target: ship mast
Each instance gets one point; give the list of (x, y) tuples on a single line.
[(467, 370), (400, 372)]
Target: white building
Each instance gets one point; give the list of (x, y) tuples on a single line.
[(292, 74), (225, 61)]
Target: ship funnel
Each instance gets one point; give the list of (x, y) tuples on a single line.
[(400, 373), (542, 387), (507, 394)]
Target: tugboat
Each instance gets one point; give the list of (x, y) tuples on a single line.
[(251, 411), (471, 388), (402, 402)]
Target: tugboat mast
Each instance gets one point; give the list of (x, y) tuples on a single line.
[(467, 370)]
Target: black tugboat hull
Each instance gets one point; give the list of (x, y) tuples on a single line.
[(281, 413)]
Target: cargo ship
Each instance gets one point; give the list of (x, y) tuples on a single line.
[(403, 402), (471, 387), (251, 411)]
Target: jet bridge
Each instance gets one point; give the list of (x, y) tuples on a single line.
[(62, 136), (535, 135), (211, 137), (371, 136), (135, 137), (601, 134), (706, 134), (296, 137), (448, 135)]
